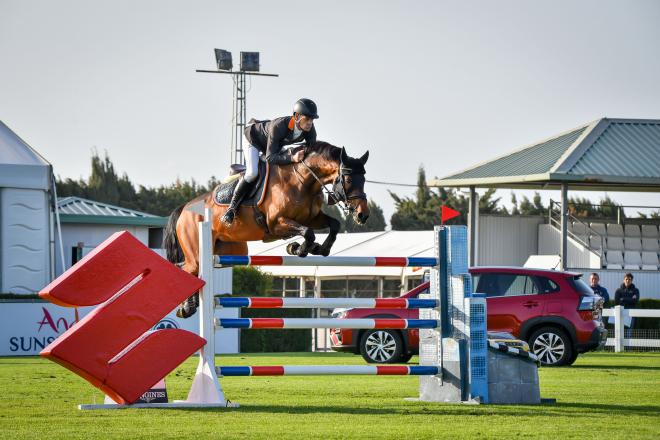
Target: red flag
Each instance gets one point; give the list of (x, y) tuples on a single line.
[(448, 213)]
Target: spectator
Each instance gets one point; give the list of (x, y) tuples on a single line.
[(627, 295), (597, 288)]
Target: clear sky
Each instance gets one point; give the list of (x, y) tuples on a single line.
[(435, 83)]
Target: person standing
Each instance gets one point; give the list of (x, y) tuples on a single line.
[(627, 295), (599, 290)]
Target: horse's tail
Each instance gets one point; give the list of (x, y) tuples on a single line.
[(170, 242)]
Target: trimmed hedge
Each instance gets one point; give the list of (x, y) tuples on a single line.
[(250, 281), (641, 323)]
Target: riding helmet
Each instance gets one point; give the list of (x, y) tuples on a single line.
[(306, 107)]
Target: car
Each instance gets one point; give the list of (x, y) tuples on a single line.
[(555, 312)]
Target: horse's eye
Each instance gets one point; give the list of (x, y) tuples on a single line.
[(349, 180)]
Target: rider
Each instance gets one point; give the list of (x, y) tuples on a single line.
[(268, 137)]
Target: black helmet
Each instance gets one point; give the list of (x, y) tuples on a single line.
[(305, 107)]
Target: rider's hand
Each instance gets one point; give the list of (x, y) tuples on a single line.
[(298, 156)]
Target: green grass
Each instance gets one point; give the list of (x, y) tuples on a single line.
[(602, 396)]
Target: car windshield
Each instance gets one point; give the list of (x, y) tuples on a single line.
[(581, 286)]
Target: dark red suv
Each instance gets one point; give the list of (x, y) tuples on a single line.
[(555, 312)]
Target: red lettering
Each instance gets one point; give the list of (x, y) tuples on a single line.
[(47, 320), (112, 346)]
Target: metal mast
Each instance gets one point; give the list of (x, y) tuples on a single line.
[(249, 66)]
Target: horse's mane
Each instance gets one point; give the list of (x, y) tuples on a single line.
[(324, 149)]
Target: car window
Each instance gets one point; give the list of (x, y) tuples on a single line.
[(506, 284), (579, 285), (546, 285)]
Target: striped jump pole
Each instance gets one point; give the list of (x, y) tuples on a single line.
[(323, 370), (282, 323), (316, 260), (205, 391), (325, 303)]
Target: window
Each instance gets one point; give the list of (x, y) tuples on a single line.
[(546, 285), (505, 284), (155, 238)]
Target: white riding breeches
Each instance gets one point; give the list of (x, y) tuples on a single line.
[(251, 164)]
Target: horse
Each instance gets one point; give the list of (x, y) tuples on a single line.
[(290, 206)]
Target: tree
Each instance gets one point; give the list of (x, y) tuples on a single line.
[(423, 212), (528, 207), (514, 202), (375, 222), (583, 208)]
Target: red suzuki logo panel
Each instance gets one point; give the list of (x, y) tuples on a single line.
[(113, 347)]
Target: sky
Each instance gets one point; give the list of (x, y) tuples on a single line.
[(438, 84)]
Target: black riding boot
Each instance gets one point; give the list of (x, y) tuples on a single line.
[(240, 192)]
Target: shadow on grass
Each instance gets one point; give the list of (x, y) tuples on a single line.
[(613, 367), (440, 409), (611, 409)]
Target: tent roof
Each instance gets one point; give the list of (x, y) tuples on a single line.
[(20, 165), (79, 210), (606, 154), (371, 244)]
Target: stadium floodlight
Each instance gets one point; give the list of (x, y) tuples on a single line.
[(223, 58), (250, 61)]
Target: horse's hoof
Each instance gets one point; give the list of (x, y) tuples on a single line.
[(292, 248), (325, 252), (188, 307)]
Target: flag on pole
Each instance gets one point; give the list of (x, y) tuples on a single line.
[(448, 213)]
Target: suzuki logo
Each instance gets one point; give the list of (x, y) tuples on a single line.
[(113, 347)]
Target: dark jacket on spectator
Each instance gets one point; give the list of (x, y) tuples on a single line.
[(626, 296), (602, 292)]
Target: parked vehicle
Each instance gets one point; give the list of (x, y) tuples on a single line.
[(555, 312)]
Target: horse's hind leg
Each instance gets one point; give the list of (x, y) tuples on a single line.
[(187, 233)]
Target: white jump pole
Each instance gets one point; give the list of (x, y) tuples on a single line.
[(206, 388)]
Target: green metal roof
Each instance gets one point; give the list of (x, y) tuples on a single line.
[(79, 210), (607, 154)]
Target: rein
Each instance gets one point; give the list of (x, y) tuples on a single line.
[(342, 202)]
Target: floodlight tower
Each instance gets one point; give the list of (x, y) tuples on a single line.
[(249, 66)]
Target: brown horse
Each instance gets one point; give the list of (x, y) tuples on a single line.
[(291, 205)]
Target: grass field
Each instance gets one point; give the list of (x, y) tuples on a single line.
[(602, 396)]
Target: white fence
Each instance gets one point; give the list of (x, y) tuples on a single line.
[(621, 317)]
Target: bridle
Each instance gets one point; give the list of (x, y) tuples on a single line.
[(337, 195)]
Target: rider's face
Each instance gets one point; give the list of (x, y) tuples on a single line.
[(305, 123)]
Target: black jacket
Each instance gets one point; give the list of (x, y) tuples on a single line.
[(270, 136), (627, 297)]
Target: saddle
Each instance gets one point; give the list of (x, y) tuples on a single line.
[(223, 193)]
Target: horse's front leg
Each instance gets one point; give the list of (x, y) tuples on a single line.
[(286, 228), (322, 221)]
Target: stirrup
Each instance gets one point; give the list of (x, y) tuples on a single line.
[(229, 216)]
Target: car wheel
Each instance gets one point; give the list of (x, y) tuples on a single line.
[(381, 346), (405, 357), (552, 346), (573, 358)]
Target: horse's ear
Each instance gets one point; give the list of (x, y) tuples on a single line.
[(344, 156), (364, 157)]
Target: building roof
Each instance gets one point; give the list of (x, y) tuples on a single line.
[(370, 244), (79, 210), (20, 165), (606, 154)]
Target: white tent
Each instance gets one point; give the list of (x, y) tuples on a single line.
[(25, 221)]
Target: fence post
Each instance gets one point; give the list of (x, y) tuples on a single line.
[(619, 327)]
